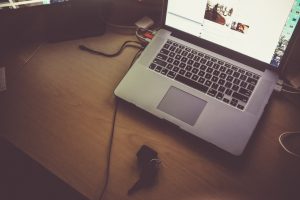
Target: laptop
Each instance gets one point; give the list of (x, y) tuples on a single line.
[(213, 66)]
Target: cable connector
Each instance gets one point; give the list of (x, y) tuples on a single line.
[(279, 85)]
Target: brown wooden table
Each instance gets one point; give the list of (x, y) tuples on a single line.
[(58, 109)]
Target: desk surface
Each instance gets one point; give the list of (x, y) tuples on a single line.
[(59, 110)]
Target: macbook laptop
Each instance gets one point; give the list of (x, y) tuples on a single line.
[(213, 66)]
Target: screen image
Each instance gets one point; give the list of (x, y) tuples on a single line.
[(258, 29), (14, 4)]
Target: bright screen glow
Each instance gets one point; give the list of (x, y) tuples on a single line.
[(259, 29), (14, 4)]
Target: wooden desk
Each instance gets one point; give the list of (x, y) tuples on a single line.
[(59, 108)]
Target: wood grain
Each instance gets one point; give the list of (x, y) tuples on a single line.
[(59, 109)]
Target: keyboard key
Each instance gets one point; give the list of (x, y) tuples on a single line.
[(197, 65), (236, 81), (227, 65), (166, 46), (240, 97), (191, 83), (182, 72), (215, 86), (221, 62), (214, 79), (216, 66), (243, 84), (245, 92), (229, 71), (203, 67), (221, 89), (208, 76), (196, 58), (172, 54), (207, 57), (250, 87), (184, 53), (152, 66), (220, 96), (172, 48), (208, 83), (214, 59), (229, 78), (160, 62), (190, 62), (209, 70), (184, 59), (236, 74), (216, 73), (170, 60), (182, 65), (178, 57), (241, 71), (164, 71), (188, 74), (235, 88), (223, 69), (212, 92), (252, 81), (256, 76), (226, 100), (175, 69), (171, 74), (228, 84), (188, 68), (195, 77), (162, 56), (158, 68), (169, 67), (203, 61), (165, 51), (195, 70), (176, 62), (228, 92), (221, 81), (243, 77), (201, 80), (201, 73), (190, 55), (223, 76), (233, 102), (178, 51), (241, 107), (209, 63)]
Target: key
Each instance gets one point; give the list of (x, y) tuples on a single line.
[(147, 176)]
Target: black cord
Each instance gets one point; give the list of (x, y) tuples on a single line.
[(124, 45), (112, 137)]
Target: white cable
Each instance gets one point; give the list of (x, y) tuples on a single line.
[(291, 86), (290, 92), (282, 137)]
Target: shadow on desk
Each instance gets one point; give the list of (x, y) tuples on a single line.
[(23, 178)]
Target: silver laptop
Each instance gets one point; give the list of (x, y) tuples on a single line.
[(213, 66)]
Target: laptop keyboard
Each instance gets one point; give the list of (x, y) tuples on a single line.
[(214, 77)]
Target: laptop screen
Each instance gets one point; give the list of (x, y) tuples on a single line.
[(258, 29)]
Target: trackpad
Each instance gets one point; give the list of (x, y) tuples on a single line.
[(182, 105)]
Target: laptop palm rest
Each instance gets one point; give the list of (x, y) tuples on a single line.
[(182, 105)]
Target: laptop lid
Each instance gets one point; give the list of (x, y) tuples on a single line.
[(257, 33)]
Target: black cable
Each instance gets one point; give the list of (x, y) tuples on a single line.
[(109, 150), (124, 45), (112, 137)]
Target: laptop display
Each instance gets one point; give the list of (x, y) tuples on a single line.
[(258, 29)]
